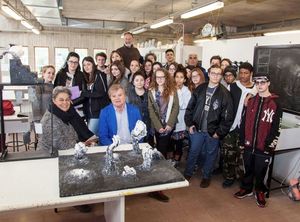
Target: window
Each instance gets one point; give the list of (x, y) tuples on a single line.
[(24, 57), (60, 57), (41, 57), (82, 53)]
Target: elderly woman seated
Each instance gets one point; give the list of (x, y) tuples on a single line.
[(118, 118), (67, 127), (64, 122)]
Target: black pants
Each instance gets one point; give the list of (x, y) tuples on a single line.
[(163, 143), (256, 167), (177, 147)]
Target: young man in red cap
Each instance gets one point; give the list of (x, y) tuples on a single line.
[(260, 129)]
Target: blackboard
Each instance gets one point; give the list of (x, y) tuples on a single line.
[(282, 63)]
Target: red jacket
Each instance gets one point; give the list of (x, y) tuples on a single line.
[(261, 124)]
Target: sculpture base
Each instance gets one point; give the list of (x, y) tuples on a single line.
[(85, 177)]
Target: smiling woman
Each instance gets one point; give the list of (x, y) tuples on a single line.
[(62, 120)]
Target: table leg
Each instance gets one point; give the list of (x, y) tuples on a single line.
[(114, 210)]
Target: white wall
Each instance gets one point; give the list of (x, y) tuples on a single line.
[(242, 49)]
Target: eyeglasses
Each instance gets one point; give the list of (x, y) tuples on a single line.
[(192, 57), (215, 74), (260, 82), (73, 62), (195, 76), (160, 77)]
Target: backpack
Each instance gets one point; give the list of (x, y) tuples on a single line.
[(8, 108)]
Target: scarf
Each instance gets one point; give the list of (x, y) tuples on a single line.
[(73, 118)]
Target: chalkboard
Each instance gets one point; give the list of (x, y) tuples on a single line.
[(282, 63)]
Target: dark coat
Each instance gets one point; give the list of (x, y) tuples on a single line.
[(220, 115)]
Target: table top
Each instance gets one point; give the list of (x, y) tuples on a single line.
[(34, 184)]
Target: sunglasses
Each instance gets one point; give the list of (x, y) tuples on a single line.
[(263, 82)]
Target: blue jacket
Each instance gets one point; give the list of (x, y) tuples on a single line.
[(108, 122)]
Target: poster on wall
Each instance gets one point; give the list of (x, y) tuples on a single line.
[(282, 63)]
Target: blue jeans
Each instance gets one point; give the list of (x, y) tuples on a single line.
[(202, 144), (93, 125)]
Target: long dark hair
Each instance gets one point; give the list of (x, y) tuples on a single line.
[(89, 77), (65, 67), (121, 68)]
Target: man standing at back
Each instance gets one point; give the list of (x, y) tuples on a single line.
[(209, 116), (128, 51), (193, 62)]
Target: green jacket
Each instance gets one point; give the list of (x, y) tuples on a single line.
[(172, 111)]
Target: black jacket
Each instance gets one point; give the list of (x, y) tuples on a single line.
[(128, 54), (142, 104), (94, 99), (220, 114), (61, 79)]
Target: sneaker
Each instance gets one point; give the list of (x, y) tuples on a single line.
[(205, 183), (159, 195), (260, 199), (227, 183), (243, 193)]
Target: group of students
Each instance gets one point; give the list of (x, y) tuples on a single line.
[(220, 114)]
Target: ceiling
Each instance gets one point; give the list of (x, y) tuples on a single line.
[(238, 16)]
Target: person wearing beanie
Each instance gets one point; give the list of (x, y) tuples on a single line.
[(239, 90), (229, 75)]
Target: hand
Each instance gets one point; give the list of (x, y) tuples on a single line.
[(215, 136), (161, 130), (192, 129), (168, 128), (90, 143), (247, 98)]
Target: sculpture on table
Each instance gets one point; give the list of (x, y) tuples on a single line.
[(149, 155), (128, 171), (139, 132), (80, 150), (110, 167)]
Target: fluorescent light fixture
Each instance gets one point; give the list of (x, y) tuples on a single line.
[(282, 33), (205, 40), (161, 23), (138, 31), (26, 24), (9, 11), (203, 9), (35, 31)]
